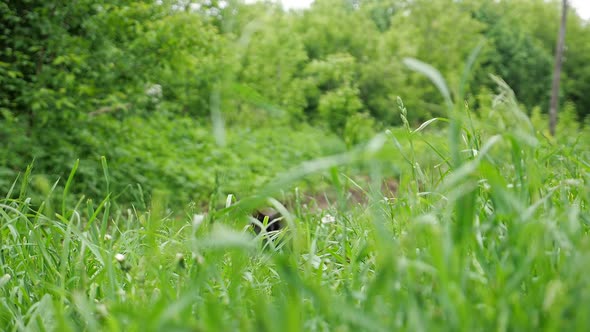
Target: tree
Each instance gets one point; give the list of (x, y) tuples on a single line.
[(557, 70), (444, 41), (513, 53), (332, 93), (575, 79), (270, 58)]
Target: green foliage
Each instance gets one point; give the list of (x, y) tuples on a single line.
[(568, 120), (396, 264), (359, 128), (537, 23), (336, 26), (143, 117), (334, 92), (272, 60), (139, 81), (444, 41), (576, 69), (513, 54), (336, 106), (177, 155)]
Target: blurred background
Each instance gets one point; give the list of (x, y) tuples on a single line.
[(201, 99)]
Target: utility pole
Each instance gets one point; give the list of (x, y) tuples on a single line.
[(557, 70)]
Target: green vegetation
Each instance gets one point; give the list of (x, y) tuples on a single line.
[(79, 79), (139, 136)]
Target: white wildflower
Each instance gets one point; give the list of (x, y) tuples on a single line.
[(154, 90), (198, 220), (328, 219)]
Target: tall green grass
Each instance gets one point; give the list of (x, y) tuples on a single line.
[(488, 232)]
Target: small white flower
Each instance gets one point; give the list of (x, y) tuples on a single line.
[(120, 258), (108, 237), (198, 220), (328, 219), (154, 91)]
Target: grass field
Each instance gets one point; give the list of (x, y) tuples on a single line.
[(487, 230), (140, 139), (497, 243)]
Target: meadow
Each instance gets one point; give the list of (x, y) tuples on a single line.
[(496, 239), (404, 144)]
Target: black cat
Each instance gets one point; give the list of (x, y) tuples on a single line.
[(275, 220)]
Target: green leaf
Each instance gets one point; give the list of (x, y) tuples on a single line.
[(434, 75)]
